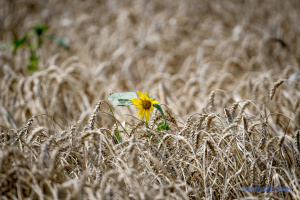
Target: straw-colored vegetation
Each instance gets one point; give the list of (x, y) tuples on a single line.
[(226, 72)]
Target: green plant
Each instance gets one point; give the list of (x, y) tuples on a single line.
[(145, 104), (32, 41)]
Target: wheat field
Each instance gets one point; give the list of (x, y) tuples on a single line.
[(226, 74)]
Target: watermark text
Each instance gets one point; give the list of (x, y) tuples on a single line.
[(266, 189)]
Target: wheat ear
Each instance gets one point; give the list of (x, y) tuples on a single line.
[(275, 86), (211, 101)]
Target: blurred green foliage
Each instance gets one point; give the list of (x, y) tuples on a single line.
[(33, 41)]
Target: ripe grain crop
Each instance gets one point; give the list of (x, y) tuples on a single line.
[(226, 73)]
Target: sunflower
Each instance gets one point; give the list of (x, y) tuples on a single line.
[(145, 104)]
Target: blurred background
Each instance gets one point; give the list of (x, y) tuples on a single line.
[(178, 52)]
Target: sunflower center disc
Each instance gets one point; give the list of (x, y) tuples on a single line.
[(147, 104)]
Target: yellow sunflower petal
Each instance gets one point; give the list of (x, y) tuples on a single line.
[(141, 112), (155, 102), (136, 101), (147, 115), (143, 105), (141, 95)]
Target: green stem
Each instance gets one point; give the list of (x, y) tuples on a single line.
[(160, 110), (163, 116)]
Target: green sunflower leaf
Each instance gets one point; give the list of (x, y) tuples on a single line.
[(125, 102), (17, 43), (160, 110), (122, 98), (118, 138), (40, 29), (163, 126)]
